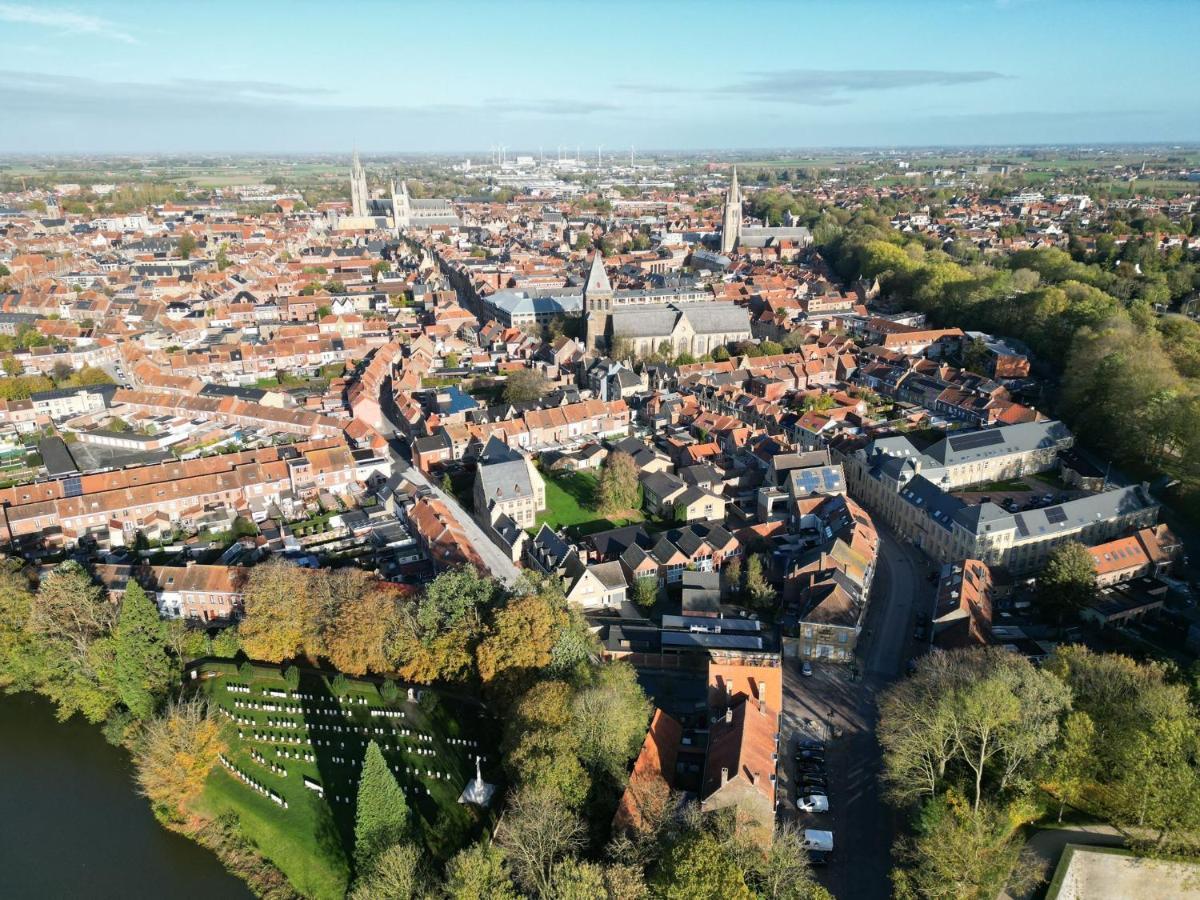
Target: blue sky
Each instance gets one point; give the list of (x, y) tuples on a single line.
[(393, 77)]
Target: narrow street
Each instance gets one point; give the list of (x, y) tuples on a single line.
[(834, 698), (498, 563)]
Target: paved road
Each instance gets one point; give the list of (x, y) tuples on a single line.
[(863, 825), (497, 562)]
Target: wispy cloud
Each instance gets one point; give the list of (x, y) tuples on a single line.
[(64, 20), (828, 87)]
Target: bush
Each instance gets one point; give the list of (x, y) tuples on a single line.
[(340, 685), (291, 676), (246, 671)]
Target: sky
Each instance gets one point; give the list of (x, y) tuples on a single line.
[(259, 76)]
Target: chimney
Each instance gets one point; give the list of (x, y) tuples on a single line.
[(729, 714), (724, 777), (762, 691)]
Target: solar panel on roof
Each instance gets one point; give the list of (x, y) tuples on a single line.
[(976, 440), (72, 487), (1055, 515), (1021, 526)]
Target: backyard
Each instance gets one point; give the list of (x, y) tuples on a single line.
[(571, 505), (305, 747)]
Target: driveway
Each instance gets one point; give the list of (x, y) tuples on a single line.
[(834, 698)]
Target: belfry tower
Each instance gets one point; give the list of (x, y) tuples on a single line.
[(597, 302)]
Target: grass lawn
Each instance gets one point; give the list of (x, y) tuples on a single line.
[(312, 839), (570, 503)]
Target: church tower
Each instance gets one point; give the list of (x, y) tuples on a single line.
[(731, 224), (597, 302), (358, 188)]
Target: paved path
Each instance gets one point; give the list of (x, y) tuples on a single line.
[(1048, 844), (497, 562), (862, 823)]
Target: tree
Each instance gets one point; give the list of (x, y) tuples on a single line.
[(523, 632), (1067, 582), (958, 853), (447, 484), (291, 677), (645, 591), (732, 578), (525, 385), (144, 668), (1073, 765), (389, 691), (574, 880), (174, 757), (340, 685), (71, 610), (281, 619), (759, 592), (360, 635), (618, 489), (609, 719), (479, 872), (720, 354), (381, 816), (436, 635), (186, 246), (537, 832), (398, 873), (697, 866)]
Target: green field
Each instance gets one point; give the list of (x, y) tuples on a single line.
[(312, 838)]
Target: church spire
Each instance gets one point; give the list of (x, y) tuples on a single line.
[(597, 281)]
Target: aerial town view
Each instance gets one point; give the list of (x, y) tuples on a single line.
[(629, 451)]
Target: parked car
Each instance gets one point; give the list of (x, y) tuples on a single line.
[(816, 839), (919, 633), (806, 753), (813, 783), (810, 744), (810, 769), (814, 803), (806, 669)]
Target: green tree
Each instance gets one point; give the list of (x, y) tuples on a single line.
[(381, 818), (291, 677), (186, 246), (538, 832), (398, 873), (144, 669), (609, 718), (645, 592), (618, 489), (525, 385), (697, 866), (1067, 582), (1073, 765), (759, 592), (479, 872), (957, 854)]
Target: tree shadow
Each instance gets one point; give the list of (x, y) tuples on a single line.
[(338, 755)]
